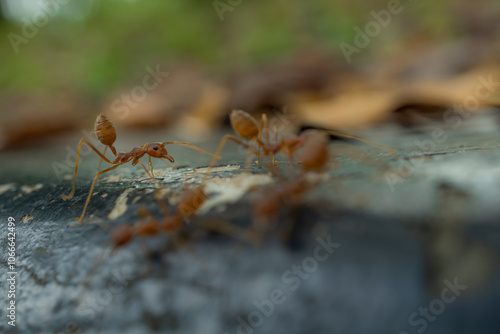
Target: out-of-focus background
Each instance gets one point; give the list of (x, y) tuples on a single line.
[(339, 65), (414, 232)]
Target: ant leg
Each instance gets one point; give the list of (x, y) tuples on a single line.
[(192, 147), (221, 146), (92, 189), (259, 141), (82, 141), (151, 176), (263, 127), (100, 161), (151, 166), (275, 143), (266, 127), (366, 141)]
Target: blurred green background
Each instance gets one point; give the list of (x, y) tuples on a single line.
[(63, 61), (91, 46)]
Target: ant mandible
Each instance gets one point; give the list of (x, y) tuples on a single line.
[(106, 133)]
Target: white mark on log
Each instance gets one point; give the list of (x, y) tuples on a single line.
[(7, 187), (26, 218), (29, 189), (227, 168), (231, 189), (121, 205), (116, 178)]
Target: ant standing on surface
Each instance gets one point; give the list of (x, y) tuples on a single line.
[(106, 133), (190, 201), (246, 127), (314, 157)]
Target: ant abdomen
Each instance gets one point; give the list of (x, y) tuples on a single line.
[(315, 154), (244, 124), (105, 131)]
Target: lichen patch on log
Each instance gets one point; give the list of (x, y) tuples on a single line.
[(29, 189), (7, 187), (231, 189), (120, 205)]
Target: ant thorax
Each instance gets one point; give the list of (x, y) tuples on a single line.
[(124, 157), (272, 148)]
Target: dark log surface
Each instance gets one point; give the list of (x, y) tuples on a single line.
[(404, 228)]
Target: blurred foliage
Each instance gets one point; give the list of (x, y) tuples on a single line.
[(98, 45)]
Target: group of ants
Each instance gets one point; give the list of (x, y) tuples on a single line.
[(308, 151)]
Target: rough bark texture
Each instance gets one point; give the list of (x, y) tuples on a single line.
[(404, 229)]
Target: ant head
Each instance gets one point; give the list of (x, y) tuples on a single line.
[(157, 150)]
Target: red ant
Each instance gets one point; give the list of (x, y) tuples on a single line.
[(106, 133), (189, 203), (314, 157), (246, 127)]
